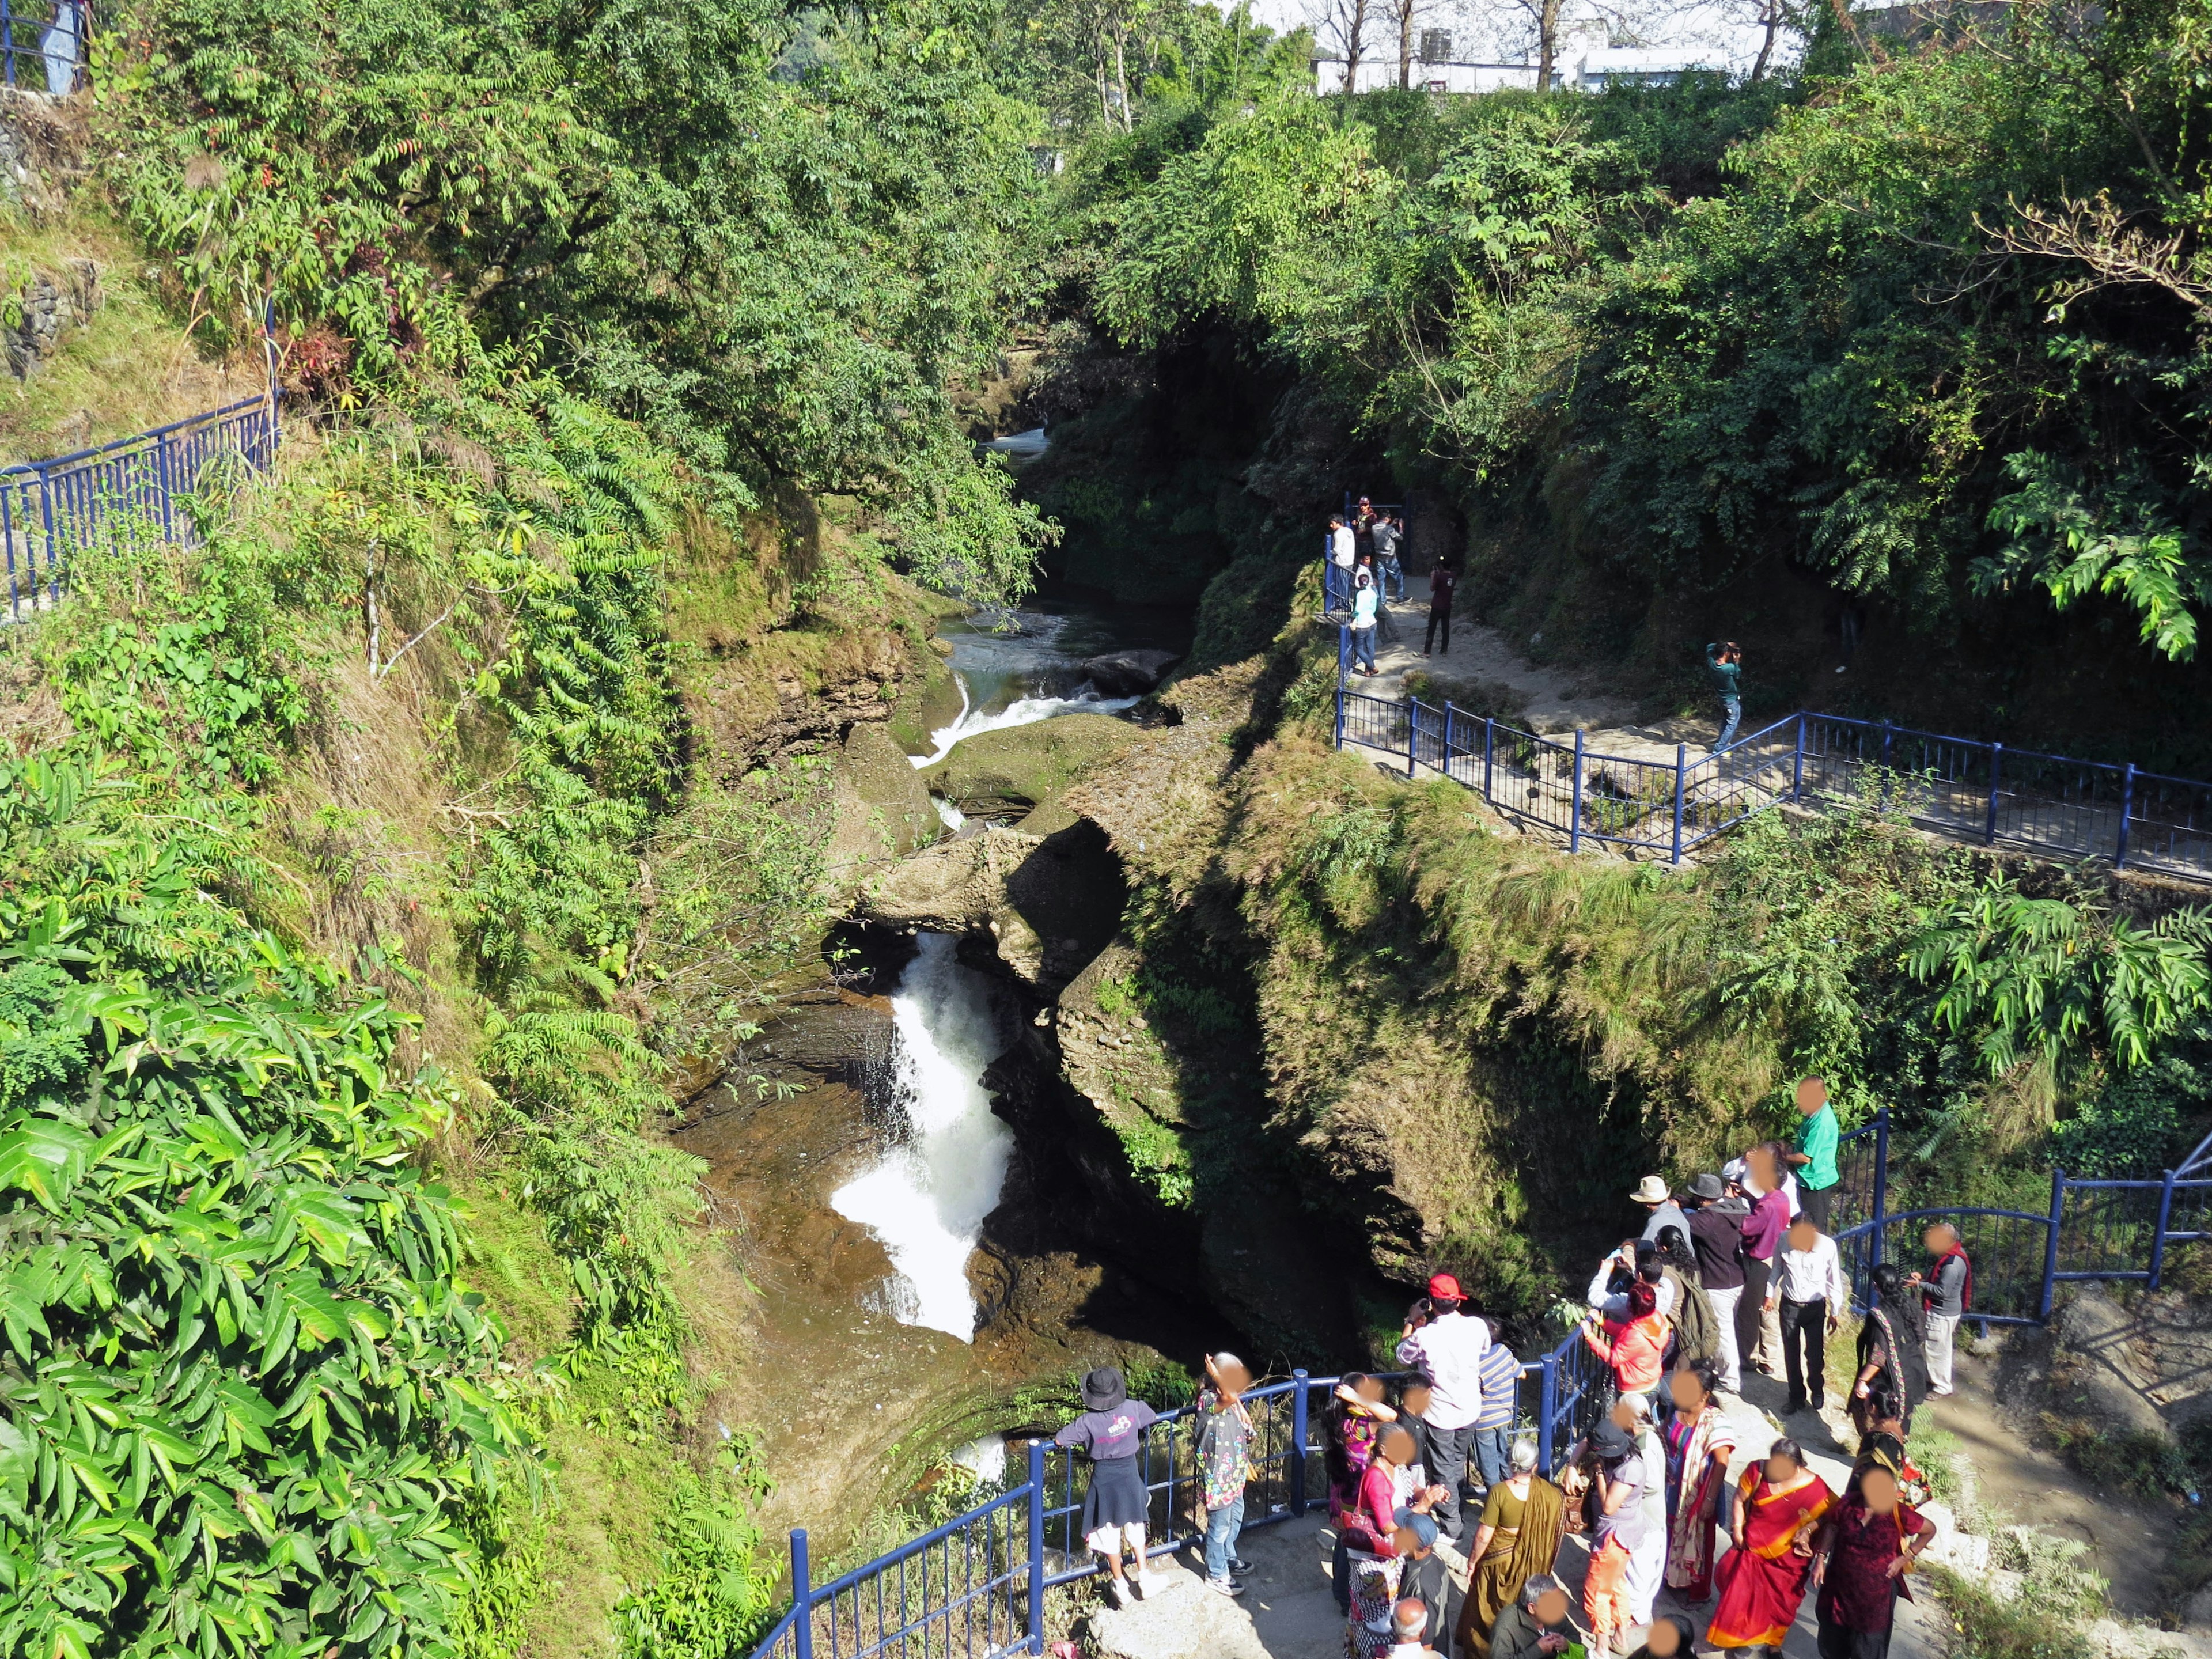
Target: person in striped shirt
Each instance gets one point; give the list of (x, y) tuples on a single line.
[(1493, 1423)]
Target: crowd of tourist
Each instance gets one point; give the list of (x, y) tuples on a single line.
[(1448, 1532)]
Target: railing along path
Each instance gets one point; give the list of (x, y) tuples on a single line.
[(50, 509), (2050, 804)]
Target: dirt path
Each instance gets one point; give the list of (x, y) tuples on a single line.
[(1556, 700), (2019, 1482)]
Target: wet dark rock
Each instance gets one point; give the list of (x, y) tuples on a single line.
[(1128, 673)]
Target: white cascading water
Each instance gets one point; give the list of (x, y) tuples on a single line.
[(926, 1199), (999, 674), (1022, 711)]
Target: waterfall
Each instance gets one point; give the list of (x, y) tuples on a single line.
[(925, 1198)]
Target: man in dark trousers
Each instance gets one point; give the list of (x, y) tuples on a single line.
[(1725, 665), (1442, 581)]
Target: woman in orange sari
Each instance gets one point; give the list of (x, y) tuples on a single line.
[(1779, 1506)]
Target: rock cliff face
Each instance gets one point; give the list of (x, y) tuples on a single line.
[(1042, 906), (43, 311)]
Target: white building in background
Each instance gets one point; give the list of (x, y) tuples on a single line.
[(1445, 75), (1638, 66)]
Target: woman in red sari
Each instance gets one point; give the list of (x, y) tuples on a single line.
[(1778, 1505), (1699, 1443)]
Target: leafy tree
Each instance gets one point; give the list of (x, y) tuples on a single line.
[(243, 1379)]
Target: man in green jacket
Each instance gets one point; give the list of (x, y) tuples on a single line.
[(1536, 1626), (1725, 663)]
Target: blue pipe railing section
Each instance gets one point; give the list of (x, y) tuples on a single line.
[(42, 45), (49, 509), (982, 1584), (2050, 804)]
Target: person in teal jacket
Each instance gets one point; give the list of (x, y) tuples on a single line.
[(1724, 662)]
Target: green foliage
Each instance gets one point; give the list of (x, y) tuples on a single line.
[(210, 690), (842, 206), (708, 1602), (1931, 337), (244, 1382), (2043, 975)]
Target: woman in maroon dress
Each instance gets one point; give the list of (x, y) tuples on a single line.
[(1866, 1545)]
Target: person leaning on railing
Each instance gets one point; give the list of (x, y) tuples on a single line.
[(1114, 1505)]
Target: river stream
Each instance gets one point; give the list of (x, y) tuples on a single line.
[(859, 1151)]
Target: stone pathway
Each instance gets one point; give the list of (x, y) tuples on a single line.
[(1557, 699)]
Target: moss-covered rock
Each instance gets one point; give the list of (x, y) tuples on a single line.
[(1000, 774), (882, 810)]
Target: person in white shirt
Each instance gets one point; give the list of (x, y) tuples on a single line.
[(1341, 546), (1408, 1621), (1448, 1349), (1608, 1304), (1809, 1291)]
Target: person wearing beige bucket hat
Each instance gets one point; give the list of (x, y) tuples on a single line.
[(1651, 1193)]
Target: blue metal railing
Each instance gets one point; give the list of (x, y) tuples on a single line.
[(2047, 804), (49, 509), (42, 44), (980, 1584)]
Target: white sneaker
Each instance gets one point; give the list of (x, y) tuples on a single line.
[(1119, 1588), (1150, 1584)]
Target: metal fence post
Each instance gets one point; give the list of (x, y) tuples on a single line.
[(165, 484), (1880, 1183), (7, 540), (1682, 755), (1797, 772), (1412, 736), (46, 518), (8, 41), (1036, 1546), (1547, 1407), (1489, 733), (2051, 1245), (802, 1595), (2127, 807), (2158, 1238), (1575, 824), (1996, 767), (1339, 717), (1299, 1407), (1448, 735)]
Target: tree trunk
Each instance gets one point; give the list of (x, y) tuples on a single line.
[(1122, 81), (1773, 22), (1547, 42), (1352, 43), (1405, 44)]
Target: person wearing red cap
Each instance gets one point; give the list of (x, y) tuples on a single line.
[(1446, 1345)]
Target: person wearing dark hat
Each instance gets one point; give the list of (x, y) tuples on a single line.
[(1111, 1430), (1617, 1479), (1716, 1236), (1448, 1350)]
